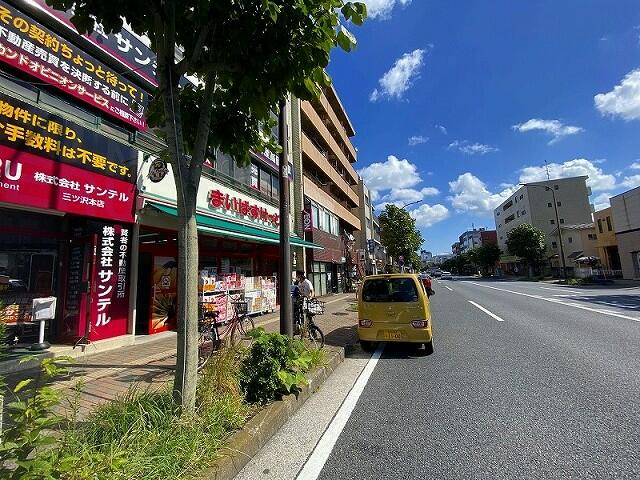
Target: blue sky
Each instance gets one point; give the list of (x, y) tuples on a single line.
[(455, 102)]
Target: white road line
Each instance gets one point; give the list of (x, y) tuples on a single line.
[(555, 300), (315, 463), (493, 315), (448, 288), (560, 289)]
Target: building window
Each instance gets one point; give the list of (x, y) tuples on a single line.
[(497, 214), (570, 239), (524, 212), (265, 182), (549, 205), (510, 218), (609, 227), (592, 236), (555, 187), (315, 216), (559, 204), (515, 199), (600, 225), (554, 244), (518, 213), (552, 222), (500, 238), (507, 205), (521, 197), (500, 226), (562, 220)]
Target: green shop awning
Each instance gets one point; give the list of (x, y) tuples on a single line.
[(223, 228)]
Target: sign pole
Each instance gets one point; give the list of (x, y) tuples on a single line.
[(284, 270)]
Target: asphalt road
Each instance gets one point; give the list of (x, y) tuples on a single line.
[(533, 381)]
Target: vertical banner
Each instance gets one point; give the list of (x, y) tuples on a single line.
[(164, 295), (307, 219), (110, 306)]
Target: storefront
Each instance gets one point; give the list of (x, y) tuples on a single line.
[(66, 210), (238, 244)]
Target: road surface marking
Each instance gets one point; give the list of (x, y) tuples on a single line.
[(493, 315), (315, 463), (555, 300), (566, 295), (448, 288)]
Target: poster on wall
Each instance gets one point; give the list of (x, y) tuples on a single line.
[(164, 294), (48, 162), (110, 302), (30, 47)]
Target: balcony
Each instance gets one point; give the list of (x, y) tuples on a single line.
[(332, 122), (317, 194), (334, 149), (321, 161)]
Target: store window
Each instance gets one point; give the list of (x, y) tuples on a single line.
[(609, 226), (265, 182)]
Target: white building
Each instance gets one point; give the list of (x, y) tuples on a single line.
[(625, 210)]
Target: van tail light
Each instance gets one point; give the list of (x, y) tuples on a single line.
[(420, 323), (365, 323)]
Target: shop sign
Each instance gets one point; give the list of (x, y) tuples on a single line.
[(157, 170), (111, 304), (28, 46), (30, 129), (230, 203), (307, 220)]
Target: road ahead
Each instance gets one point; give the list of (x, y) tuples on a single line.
[(528, 381)]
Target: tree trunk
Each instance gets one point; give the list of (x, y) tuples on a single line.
[(184, 387)]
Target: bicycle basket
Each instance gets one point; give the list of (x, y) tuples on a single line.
[(315, 307), (207, 312), (240, 308)]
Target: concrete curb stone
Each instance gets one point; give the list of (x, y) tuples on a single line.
[(244, 444)]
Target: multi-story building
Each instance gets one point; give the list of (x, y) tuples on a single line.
[(606, 242), (533, 204), (426, 257), (473, 239), (456, 249), (365, 242), (625, 213), (488, 237), (330, 189), (440, 259), (380, 253), (578, 242)]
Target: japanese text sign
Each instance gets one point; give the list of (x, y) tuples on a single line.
[(224, 201), (30, 129), (111, 303), (36, 50)]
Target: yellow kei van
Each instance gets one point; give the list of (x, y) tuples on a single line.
[(394, 308)]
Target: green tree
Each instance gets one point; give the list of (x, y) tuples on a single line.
[(527, 242), (247, 56), (398, 233), (486, 256)]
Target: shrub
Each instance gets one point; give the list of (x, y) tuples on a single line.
[(275, 366)]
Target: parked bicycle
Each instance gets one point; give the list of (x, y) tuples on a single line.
[(305, 309), (214, 332)]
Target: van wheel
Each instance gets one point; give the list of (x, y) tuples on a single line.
[(428, 348), (367, 346)]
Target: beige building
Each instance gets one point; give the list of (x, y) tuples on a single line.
[(534, 204), (322, 144), (365, 237), (606, 243), (625, 214), (579, 241)]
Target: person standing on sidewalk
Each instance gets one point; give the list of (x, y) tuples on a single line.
[(305, 285)]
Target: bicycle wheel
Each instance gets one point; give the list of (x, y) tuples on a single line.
[(205, 349), (246, 324), (316, 337)]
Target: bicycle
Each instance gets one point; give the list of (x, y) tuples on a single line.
[(304, 326), (213, 333)]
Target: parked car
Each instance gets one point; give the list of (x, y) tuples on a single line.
[(437, 273), (446, 275), (394, 308)]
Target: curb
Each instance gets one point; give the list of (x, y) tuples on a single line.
[(244, 444)]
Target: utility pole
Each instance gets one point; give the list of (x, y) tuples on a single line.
[(284, 270)]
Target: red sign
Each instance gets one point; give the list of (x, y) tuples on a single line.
[(38, 51), (30, 180), (217, 199)]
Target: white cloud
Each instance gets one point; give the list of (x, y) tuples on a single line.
[(472, 148), (406, 195), (417, 140), (602, 201), (381, 9), (623, 100), (635, 166), (400, 77), (631, 182), (470, 194), (428, 215), (555, 128), (393, 173), (442, 129), (598, 180)]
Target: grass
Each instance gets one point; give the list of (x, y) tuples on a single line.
[(353, 307), (141, 434)]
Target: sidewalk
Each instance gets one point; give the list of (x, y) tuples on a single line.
[(150, 363)]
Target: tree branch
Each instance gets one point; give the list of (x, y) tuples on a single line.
[(188, 61)]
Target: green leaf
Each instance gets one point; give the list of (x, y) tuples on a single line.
[(21, 384), (345, 39)]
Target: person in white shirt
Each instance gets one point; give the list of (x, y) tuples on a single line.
[(305, 285)]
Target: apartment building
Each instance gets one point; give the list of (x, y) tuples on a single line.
[(365, 243), (456, 249), (473, 239), (578, 242), (533, 203), (625, 215), (322, 144), (606, 242), (380, 252)]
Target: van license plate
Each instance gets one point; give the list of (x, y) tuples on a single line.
[(391, 335)]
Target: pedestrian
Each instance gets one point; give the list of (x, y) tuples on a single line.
[(305, 285)]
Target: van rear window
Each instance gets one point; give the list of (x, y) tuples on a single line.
[(390, 290)]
